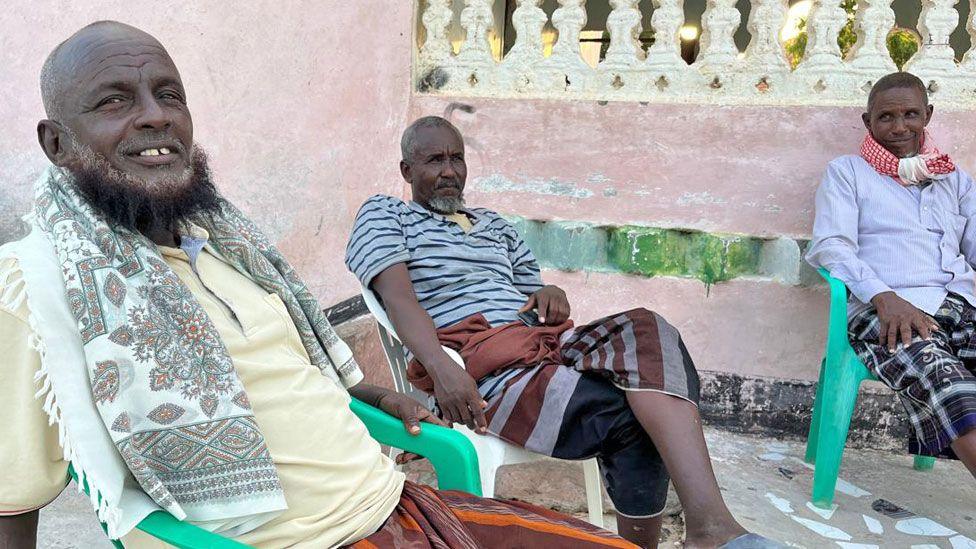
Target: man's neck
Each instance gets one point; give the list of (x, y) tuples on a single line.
[(161, 236)]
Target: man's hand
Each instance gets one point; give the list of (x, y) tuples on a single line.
[(900, 318), (408, 410), (551, 303), (458, 397)]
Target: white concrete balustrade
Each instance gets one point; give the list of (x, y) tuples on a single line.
[(721, 73)]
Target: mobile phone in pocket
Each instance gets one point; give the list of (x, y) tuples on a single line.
[(530, 318)]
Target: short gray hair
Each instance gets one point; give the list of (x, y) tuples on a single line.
[(408, 145)]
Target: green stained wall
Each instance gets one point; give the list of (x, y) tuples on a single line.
[(651, 251)]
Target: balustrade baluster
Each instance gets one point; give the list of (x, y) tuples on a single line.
[(822, 54), (765, 58), (475, 63), (935, 58), (968, 63), (518, 69), (437, 47), (869, 57), (565, 68), (717, 46), (624, 24), (664, 55)]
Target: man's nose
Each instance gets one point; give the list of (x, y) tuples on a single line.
[(447, 169), (899, 126), (152, 115)]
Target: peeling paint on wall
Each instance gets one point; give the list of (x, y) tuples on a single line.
[(655, 251), (497, 183)]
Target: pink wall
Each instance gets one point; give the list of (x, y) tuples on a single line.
[(301, 104)]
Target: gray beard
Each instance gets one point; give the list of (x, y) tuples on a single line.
[(446, 205)]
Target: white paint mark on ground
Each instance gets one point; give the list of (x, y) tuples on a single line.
[(847, 488), (921, 526), (824, 530), (825, 513), (805, 464), (847, 545), (779, 503), (962, 542), (772, 456), (873, 524), (926, 546)]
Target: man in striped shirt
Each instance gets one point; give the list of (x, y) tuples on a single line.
[(623, 388)]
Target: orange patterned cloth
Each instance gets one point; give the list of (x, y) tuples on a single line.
[(934, 161), (432, 519)]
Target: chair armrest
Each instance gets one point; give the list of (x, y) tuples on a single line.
[(837, 323), (451, 453), (166, 527)]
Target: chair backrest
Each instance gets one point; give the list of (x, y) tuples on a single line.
[(396, 356)]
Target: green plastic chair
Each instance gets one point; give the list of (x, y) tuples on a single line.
[(841, 374), (452, 455)]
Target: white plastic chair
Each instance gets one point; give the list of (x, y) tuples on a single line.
[(493, 452)]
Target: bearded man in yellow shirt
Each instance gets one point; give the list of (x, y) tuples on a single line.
[(185, 364)]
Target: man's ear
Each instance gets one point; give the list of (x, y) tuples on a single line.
[(405, 171), (928, 114), (54, 141), (866, 118)]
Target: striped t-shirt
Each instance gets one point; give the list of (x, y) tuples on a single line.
[(455, 274)]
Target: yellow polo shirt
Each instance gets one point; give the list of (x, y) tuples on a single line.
[(338, 484)]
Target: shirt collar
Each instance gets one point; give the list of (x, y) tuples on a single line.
[(475, 216)]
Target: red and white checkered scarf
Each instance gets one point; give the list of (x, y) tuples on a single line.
[(929, 163)]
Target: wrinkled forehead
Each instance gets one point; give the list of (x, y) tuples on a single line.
[(900, 98), (438, 138), (92, 60)]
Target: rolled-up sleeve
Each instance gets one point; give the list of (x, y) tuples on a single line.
[(32, 469), (835, 230)]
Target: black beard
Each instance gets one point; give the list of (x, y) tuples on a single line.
[(139, 207)]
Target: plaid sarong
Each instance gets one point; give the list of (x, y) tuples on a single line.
[(934, 378), (426, 519)]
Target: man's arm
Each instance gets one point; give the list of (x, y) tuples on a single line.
[(835, 236), (18, 531), (834, 247), (456, 392)]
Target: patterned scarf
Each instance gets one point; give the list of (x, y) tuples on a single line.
[(930, 163), (162, 380)]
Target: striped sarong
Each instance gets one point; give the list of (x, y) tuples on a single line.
[(935, 379), (636, 350), (427, 518), (575, 407)]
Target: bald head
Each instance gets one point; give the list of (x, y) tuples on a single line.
[(66, 63)]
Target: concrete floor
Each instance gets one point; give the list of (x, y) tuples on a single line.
[(765, 483)]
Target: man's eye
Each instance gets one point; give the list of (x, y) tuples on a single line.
[(111, 100), (171, 95)]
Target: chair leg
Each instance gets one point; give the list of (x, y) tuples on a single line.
[(814, 434), (924, 463), (488, 473), (594, 492), (841, 383)]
